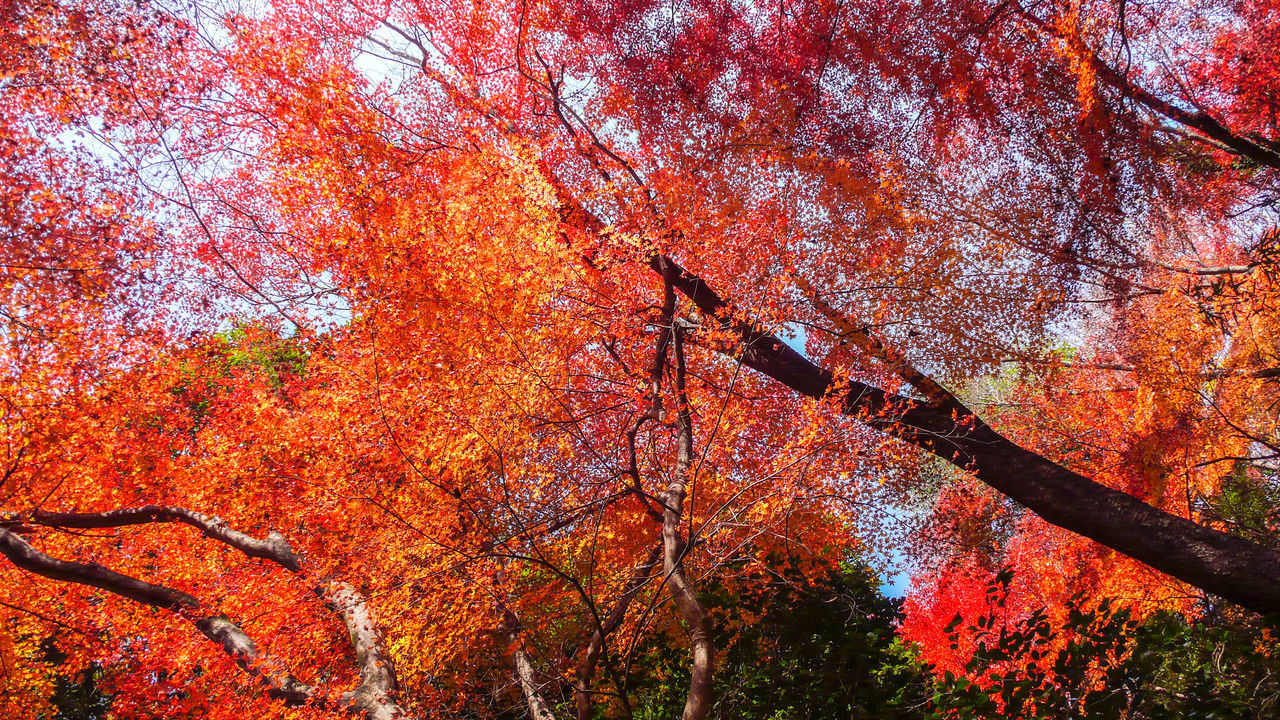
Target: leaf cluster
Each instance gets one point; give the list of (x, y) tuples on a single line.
[(1111, 667)]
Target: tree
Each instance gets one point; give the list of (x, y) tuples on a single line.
[(1102, 663), (551, 312), (797, 645)]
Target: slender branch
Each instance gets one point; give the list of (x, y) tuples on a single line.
[(216, 627), (653, 412), (873, 346), (377, 675), (1213, 374), (698, 702), (523, 667), (586, 669)]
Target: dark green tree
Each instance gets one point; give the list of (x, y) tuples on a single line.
[(813, 650)]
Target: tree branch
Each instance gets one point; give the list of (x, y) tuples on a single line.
[(1230, 567), (275, 548), (523, 667), (674, 547), (1214, 132), (377, 675), (870, 344), (586, 669), (216, 627)]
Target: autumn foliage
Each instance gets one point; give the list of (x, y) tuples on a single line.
[(398, 359)]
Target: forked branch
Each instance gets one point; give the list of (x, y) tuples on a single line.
[(377, 676), (1205, 127), (230, 637), (586, 669), (522, 665), (1233, 568)]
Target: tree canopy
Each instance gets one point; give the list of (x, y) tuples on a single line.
[(423, 358)]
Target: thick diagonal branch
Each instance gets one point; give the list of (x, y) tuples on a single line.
[(1214, 132), (1208, 128), (1228, 566), (1225, 565)]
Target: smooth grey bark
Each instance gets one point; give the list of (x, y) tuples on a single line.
[(371, 698), (377, 673), (522, 666), (219, 628)]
